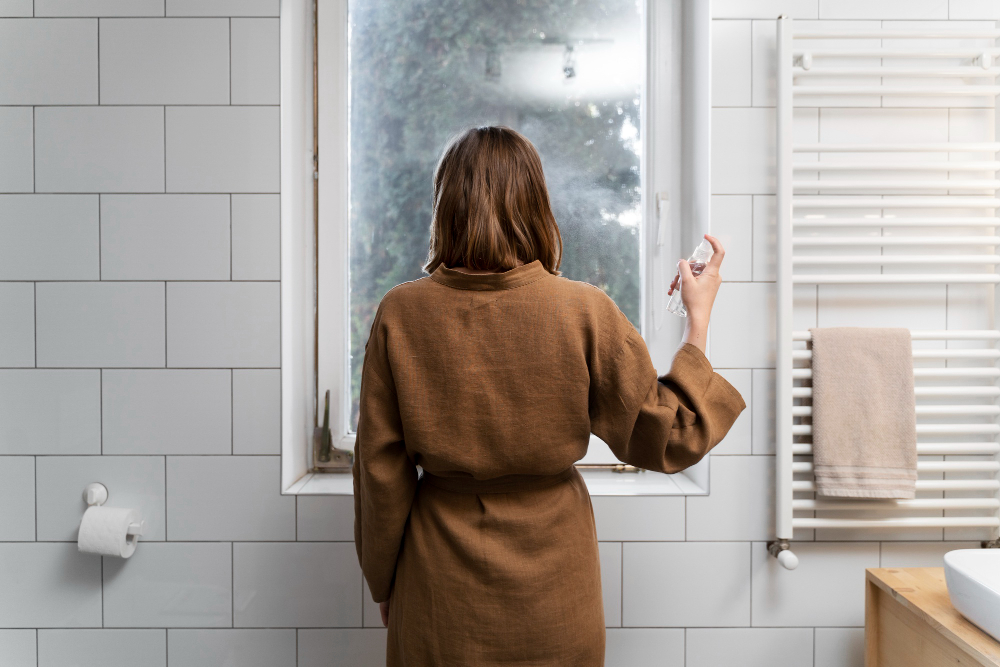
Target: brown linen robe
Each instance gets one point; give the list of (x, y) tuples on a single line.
[(493, 383)]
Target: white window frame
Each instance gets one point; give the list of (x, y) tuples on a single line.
[(675, 176)]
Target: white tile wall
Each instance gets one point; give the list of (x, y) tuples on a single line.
[(102, 648), (49, 237), (165, 61), (165, 237), (98, 8), (16, 131), (198, 508), (17, 497), (167, 411), (168, 585), (48, 61), (132, 481), (749, 647), (99, 149), (17, 317), (139, 238), (18, 648), (245, 648)]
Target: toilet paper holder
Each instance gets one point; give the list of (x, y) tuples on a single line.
[(96, 493)]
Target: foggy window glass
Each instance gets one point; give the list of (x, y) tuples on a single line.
[(567, 74)]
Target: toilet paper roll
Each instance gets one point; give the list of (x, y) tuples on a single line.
[(104, 530)]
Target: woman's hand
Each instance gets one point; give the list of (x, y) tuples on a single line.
[(698, 294), (383, 608)]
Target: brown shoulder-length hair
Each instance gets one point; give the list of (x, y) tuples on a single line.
[(491, 206)]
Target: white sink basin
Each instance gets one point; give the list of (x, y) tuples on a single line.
[(973, 578)]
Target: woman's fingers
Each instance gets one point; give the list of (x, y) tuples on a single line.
[(684, 269), (718, 252)]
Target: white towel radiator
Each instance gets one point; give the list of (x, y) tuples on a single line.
[(883, 214)]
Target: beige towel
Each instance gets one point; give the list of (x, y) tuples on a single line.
[(863, 413)]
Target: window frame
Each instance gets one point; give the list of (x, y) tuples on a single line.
[(315, 293)]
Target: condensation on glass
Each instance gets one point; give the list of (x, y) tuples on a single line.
[(567, 74)]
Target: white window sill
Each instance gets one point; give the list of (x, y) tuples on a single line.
[(691, 482)]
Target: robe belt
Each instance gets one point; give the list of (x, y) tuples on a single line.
[(501, 484)]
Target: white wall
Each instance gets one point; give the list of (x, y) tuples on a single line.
[(139, 347)]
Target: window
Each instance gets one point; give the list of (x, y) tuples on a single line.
[(592, 83)]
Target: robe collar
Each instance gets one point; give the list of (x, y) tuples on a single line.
[(516, 277)]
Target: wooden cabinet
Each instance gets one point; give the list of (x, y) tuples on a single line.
[(910, 622)]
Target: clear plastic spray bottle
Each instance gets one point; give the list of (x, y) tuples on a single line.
[(698, 260)]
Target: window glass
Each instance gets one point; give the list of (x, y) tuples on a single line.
[(568, 74)]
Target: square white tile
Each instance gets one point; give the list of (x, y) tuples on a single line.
[(98, 8), (300, 584), (222, 149), (256, 237), (48, 62), (227, 498), (738, 440), (18, 648), (255, 61), (686, 584), (740, 505), (644, 647), (165, 237), (840, 647), (639, 518), (17, 497), (98, 148), (763, 410), (165, 61), (749, 647), (223, 324), (132, 481), (49, 584), (325, 518), (257, 411), (730, 63), (358, 648), (48, 411), (17, 325), (222, 7), (611, 582), (170, 584), (827, 588), (106, 324), (242, 648), (167, 411), (102, 648), (732, 224), (49, 237), (17, 169)]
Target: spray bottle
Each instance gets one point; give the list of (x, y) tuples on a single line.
[(698, 260)]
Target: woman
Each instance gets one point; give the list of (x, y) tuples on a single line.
[(491, 373)]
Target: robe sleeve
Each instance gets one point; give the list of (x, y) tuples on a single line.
[(385, 479), (663, 423)]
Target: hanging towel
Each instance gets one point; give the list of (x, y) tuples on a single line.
[(863, 413)]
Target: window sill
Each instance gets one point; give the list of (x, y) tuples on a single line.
[(690, 482)]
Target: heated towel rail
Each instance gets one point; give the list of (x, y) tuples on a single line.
[(886, 214)]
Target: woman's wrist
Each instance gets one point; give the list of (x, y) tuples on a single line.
[(695, 331)]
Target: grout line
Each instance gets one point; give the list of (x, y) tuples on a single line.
[(166, 363), (35, 462), (164, 149), (232, 584), (100, 259), (34, 152), (230, 237), (100, 389), (232, 411), (98, 61)]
